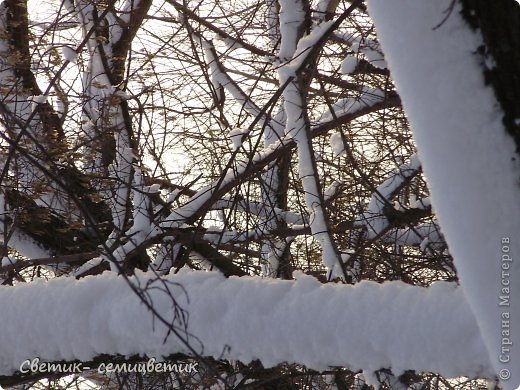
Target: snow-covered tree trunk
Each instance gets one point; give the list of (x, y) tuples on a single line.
[(294, 25), (463, 132), (275, 182)]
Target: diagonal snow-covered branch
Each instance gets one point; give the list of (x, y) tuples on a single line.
[(364, 327), (220, 78), (208, 195)]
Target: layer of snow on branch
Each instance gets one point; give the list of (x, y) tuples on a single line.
[(305, 47), (291, 16), (374, 218), (370, 50), (17, 239), (179, 215), (368, 98), (69, 54), (367, 326), (349, 64), (468, 159)]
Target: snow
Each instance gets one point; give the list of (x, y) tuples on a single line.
[(468, 158), (153, 189), (220, 78), (374, 218), (218, 236), (236, 136), (69, 54), (214, 70), (272, 249), (187, 210), (369, 97), (25, 245), (336, 143), (295, 127), (332, 190), (321, 7), (40, 99), (349, 64), (271, 252), (374, 57), (379, 325), (425, 236), (205, 194), (291, 16), (302, 50), (36, 101), (126, 10), (307, 43), (264, 210)]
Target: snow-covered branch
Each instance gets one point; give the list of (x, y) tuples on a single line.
[(294, 48), (376, 218), (364, 327)]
